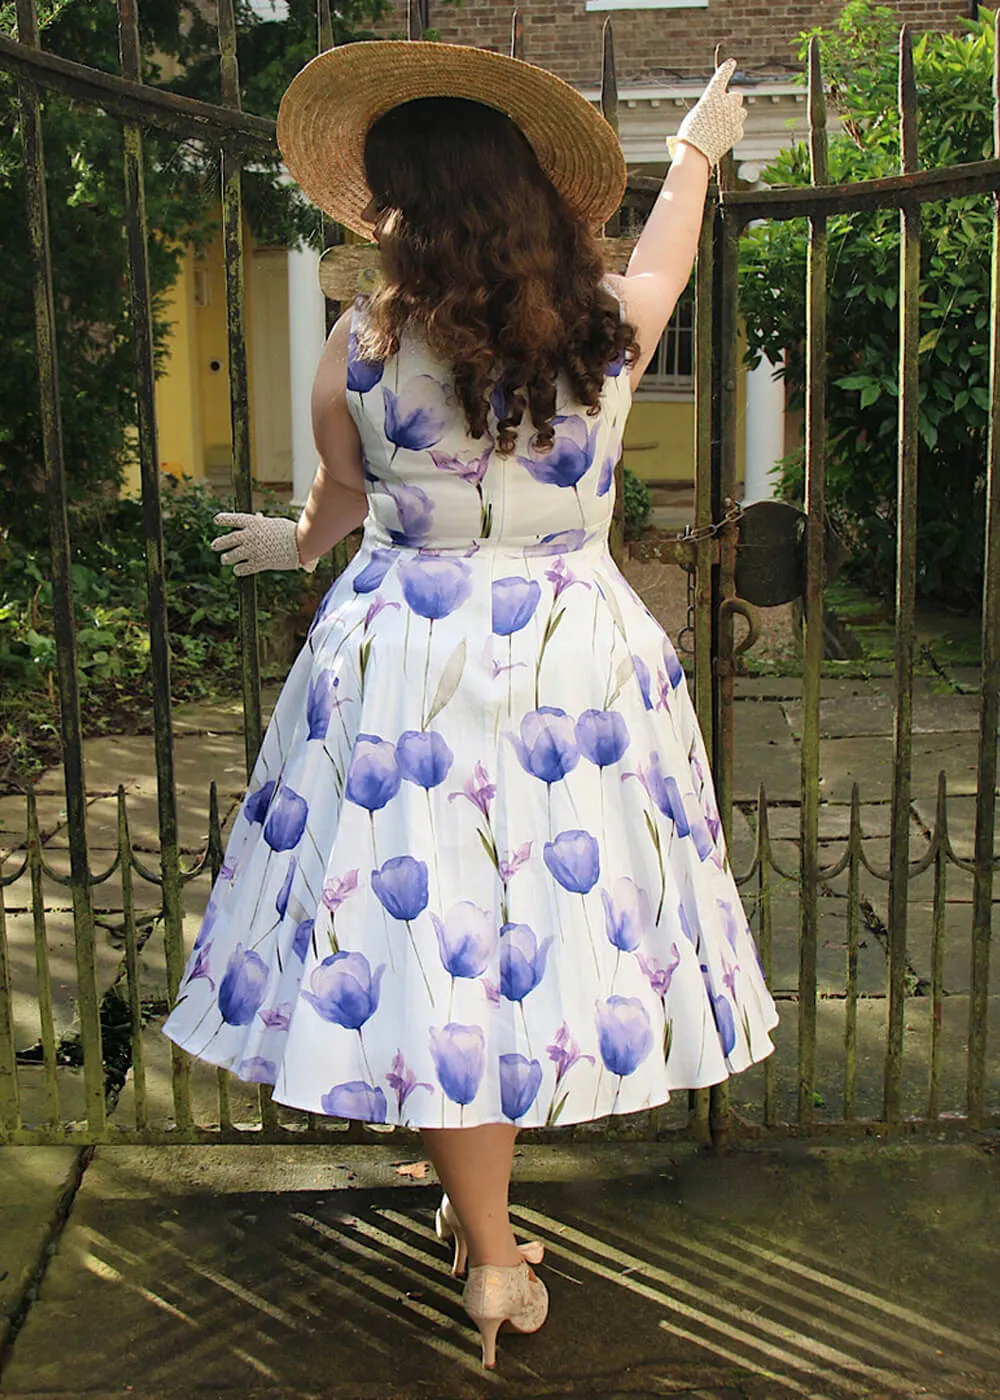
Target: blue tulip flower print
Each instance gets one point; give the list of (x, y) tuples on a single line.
[(415, 510), (256, 804), (627, 915), (624, 1034), (257, 1070), (602, 736), (467, 939), (435, 587), (547, 747), (514, 603), (520, 1081), (607, 473), (373, 777), (303, 937), (401, 886), (402, 1081), (573, 860), (642, 676), (367, 579), (722, 1011), (355, 1099), (284, 894), (424, 758), (570, 456), (362, 375), (674, 669), (286, 820), (321, 702), (522, 960), (207, 922), (344, 990), (415, 418), (459, 1055), (558, 542), (242, 990)]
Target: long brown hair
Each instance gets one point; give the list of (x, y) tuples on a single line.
[(483, 256)]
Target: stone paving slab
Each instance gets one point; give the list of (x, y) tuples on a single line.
[(33, 1184), (788, 1270)]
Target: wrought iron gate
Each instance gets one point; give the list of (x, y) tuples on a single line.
[(709, 552)]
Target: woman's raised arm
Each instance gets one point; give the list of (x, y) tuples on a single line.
[(661, 262)]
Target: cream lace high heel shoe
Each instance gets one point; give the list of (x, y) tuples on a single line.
[(447, 1226), (496, 1294)]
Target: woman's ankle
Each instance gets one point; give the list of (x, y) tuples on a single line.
[(500, 1253)]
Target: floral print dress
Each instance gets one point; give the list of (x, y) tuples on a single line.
[(478, 875)]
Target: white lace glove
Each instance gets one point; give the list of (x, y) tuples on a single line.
[(715, 123), (259, 542)]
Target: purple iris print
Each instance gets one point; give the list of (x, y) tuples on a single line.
[(471, 469), (303, 935), (520, 1080), (664, 791), (277, 1018), (344, 990), (607, 474), (478, 789), (573, 859), (415, 418), (512, 862), (627, 916), (522, 960), (514, 604), (257, 1070), (467, 939), (459, 1055), (570, 456), (642, 676), (547, 747), (415, 510), (698, 828), (401, 886), (321, 703), (433, 588), (373, 777), (730, 922), (624, 1033), (286, 820), (339, 888), (362, 375), (355, 1099), (241, 993), (402, 1081), (200, 967), (366, 580), (564, 1053), (256, 805), (602, 736), (658, 976), (423, 757), (281, 903)]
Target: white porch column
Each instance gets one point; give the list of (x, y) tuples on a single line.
[(306, 337), (765, 429)]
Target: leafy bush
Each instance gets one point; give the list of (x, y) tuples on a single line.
[(954, 86), (638, 504), (112, 633)]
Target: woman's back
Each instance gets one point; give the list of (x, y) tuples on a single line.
[(431, 484)]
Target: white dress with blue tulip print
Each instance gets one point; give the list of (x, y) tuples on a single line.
[(478, 876)]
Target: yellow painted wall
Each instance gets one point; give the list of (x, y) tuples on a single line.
[(178, 403), (659, 438)]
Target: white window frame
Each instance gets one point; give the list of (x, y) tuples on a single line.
[(647, 4), (661, 382)]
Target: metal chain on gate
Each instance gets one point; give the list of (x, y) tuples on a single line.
[(691, 535)]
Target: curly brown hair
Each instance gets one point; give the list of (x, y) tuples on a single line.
[(483, 256)]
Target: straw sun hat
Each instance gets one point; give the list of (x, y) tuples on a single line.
[(330, 105)]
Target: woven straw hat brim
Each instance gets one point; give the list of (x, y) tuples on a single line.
[(330, 105)]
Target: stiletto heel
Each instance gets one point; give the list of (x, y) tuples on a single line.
[(495, 1294), (447, 1226)]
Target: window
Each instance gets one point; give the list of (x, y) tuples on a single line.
[(671, 370), (647, 4)]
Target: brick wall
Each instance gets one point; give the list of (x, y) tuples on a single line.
[(657, 45)]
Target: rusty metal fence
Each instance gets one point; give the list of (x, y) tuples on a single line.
[(709, 552)]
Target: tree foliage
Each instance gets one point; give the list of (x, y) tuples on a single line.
[(953, 74), (83, 156)]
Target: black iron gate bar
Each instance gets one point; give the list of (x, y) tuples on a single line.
[(137, 105)]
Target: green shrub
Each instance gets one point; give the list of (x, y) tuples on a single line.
[(638, 504)]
